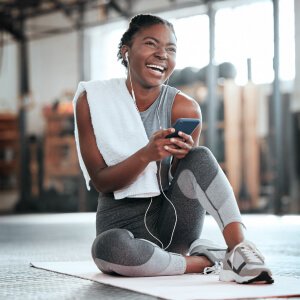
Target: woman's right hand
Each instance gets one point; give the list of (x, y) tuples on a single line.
[(155, 149)]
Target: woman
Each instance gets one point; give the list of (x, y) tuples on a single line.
[(133, 237)]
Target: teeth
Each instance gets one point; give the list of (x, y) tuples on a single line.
[(156, 67)]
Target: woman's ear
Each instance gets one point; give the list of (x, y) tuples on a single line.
[(124, 51)]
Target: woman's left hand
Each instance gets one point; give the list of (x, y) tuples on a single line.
[(181, 146)]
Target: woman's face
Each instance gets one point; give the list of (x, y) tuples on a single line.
[(152, 55)]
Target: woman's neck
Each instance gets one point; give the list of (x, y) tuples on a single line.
[(144, 96)]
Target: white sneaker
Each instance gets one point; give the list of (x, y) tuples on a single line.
[(245, 264), (212, 251), (213, 270)]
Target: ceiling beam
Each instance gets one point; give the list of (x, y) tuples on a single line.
[(7, 25), (61, 6), (114, 5)]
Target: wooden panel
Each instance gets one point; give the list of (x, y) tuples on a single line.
[(232, 120), (60, 156), (251, 145)]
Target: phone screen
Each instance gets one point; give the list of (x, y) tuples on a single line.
[(186, 125)]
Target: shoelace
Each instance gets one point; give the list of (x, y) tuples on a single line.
[(251, 253), (213, 270)]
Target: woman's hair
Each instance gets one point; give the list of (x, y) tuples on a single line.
[(136, 24)]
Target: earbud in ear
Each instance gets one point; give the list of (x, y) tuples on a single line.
[(126, 56)]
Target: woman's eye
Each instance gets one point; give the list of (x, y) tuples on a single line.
[(172, 49), (150, 43)]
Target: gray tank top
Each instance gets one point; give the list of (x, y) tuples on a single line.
[(159, 114)]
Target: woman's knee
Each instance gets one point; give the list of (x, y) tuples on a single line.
[(200, 156), (201, 152), (109, 242), (117, 251), (201, 164), (119, 246)]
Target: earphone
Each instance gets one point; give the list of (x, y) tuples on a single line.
[(159, 166), (132, 91)]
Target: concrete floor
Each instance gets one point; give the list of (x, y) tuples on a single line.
[(68, 237)]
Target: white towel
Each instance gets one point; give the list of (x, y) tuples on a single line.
[(119, 132)]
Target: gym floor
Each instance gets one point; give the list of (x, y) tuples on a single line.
[(68, 237)]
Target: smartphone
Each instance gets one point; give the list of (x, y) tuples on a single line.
[(186, 125)]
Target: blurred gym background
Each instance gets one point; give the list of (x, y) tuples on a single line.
[(239, 59)]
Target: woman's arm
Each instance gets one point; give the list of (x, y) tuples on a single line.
[(108, 179), (185, 107)]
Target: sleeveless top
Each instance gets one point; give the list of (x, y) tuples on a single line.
[(159, 114)]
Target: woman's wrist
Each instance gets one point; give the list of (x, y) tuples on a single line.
[(143, 157)]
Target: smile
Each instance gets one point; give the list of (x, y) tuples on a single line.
[(156, 68)]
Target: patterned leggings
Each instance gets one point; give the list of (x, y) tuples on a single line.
[(123, 245)]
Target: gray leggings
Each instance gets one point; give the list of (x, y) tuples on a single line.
[(123, 245)]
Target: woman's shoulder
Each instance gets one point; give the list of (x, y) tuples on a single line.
[(185, 106), (182, 99)]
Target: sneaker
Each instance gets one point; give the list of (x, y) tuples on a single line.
[(213, 270), (245, 264), (214, 252)]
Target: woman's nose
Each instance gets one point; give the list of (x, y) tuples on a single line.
[(161, 53)]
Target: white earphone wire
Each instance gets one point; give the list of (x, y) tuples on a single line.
[(164, 93)]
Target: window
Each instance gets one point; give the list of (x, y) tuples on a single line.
[(241, 32), (104, 41), (247, 32), (192, 41)]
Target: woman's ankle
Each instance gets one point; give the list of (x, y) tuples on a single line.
[(196, 264), (233, 234)]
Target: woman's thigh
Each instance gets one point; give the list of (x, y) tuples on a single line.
[(129, 214), (190, 213)]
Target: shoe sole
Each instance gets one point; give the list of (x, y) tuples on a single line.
[(263, 277)]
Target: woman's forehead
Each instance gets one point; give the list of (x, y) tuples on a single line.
[(160, 32)]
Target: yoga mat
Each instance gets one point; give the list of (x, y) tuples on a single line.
[(182, 287)]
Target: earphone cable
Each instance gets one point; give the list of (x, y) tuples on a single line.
[(145, 222), (175, 212), (159, 166), (132, 90), (160, 184)]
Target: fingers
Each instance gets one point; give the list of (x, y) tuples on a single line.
[(185, 141), (155, 147), (183, 148), (187, 138), (180, 146), (178, 153), (162, 133)]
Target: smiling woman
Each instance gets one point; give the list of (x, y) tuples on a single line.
[(163, 185), (152, 51)]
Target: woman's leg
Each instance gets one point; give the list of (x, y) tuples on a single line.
[(199, 185), (199, 177), (125, 251), (116, 251)]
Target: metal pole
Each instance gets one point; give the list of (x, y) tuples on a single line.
[(211, 83), (82, 197), (24, 90), (277, 131), (80, 28)]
